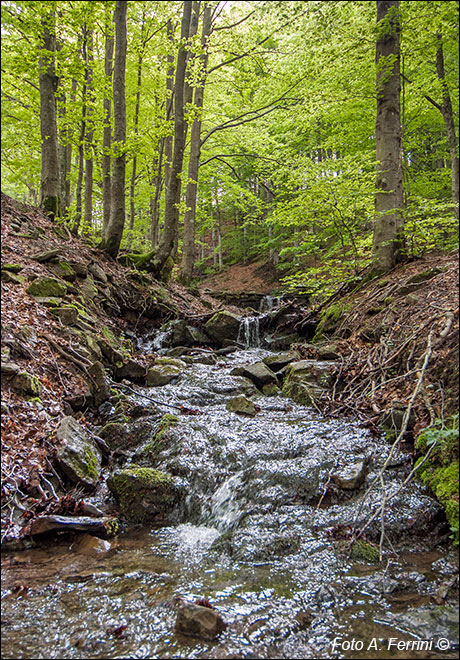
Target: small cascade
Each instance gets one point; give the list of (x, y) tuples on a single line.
[(249, 332), (270, 302), (226, 510), (155, 343)]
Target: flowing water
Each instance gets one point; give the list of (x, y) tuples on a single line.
[(261, 533)]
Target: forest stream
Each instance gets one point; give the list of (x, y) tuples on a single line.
[(261, 533)]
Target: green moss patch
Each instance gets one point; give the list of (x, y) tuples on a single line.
[(440, 471), (45, 287), (143, 493)]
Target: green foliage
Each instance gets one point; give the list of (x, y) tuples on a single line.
[(440, 472)]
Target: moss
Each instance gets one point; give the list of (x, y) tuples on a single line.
[(91, 463), (27, 384), (66, 268), (329, 319), (45, 287), (362, 551), (166, 271), (108, 334), (157, 440), (134, 483), (12, 268), (440, 472), (112, 527)]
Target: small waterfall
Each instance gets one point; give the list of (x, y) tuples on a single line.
[(225, 507), (269, 302), (249, 332)]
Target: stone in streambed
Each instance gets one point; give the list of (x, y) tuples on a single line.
[(242, 406), (352, 476), (144, 494), (198, 621), (223, 326), (258, 373)]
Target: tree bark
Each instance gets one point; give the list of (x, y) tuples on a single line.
[(387, 240), (49, 187), (78, 211), (173, 187), (188, 248), (112, 240), (132, 187), (107, 135), (88, 147), (448, 116)]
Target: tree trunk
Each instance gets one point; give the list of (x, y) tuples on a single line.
[(448, 116), (387, 240), (132, 187), (112, 240), (78, 211), (88, 218), (107, 136), (168, 140), (188, 248), (49, 187), (173, 187)]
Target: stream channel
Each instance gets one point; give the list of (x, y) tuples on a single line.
[(255, 536)]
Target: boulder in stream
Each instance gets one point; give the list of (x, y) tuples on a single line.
[(162, 374), (352, 476), (144, 494), (198, 621), (242, 405), (278, 361), (223, 326), (258, 373)]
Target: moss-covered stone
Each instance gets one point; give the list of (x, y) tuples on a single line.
[(46, 287), (8, 276), (440, 472), (144, 493), (160, 437), (12, 268), (78, 458), (363, 551), (330, 319), (27, 384)]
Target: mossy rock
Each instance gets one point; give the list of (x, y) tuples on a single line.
[(66, 271), (145, 494), (12, 268), (363, 551), (8, 276), (47, 287), (160, 437), (27, 384), (330, 319), (440, 472), (78, 457)]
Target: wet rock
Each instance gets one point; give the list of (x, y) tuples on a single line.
[(428, 623), (223, 326), (180, 333), (46, 287), (91, 545), (99, 386), (104, 527), (162, 375), (282, 342), (78, 458), (242, 405), (198, 621), (280, 360), (258, 373), (352, 476), (271, 389), (131, 370), (392, 419), (67, 315), (144, 494), (209, 359), (304, 619), (27, 384)]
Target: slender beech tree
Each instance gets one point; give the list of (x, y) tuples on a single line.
[(448, 116), (81, 141), (107, 133), (171, 218), (114, 232), (389, 194), (49, 188), (188, 248), (88, 218)]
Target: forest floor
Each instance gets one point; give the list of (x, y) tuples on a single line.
[(396, 336), (257, 277)]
